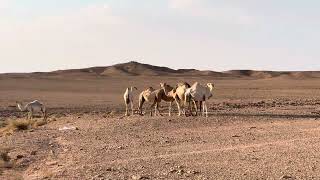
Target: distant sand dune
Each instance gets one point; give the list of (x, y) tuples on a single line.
[(133, 68)]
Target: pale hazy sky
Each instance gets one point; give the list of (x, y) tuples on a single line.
[(43, 35)]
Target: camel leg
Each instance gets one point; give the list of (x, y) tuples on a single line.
[(153, 104), (196, 108), (131, 107), (189, 109), (170, 104), (179, 109), (141, 102), (126, 114), (202, 108), (206, 109), (31, 115), (201, 105), (44, 115), (157, 108)]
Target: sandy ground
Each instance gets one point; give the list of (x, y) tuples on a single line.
[(257, 129)]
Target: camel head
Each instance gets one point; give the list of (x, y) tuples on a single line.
[(211, 86), (150, 89), (166, 88), (20, 106), (185, 84), (133, 88)]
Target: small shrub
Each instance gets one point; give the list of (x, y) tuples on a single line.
[(19, 125)]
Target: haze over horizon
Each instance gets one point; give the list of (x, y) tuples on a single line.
[(199, 34)]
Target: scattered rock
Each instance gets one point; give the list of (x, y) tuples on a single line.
[(193, 172), (99, 176), (68, 128), (138, 177), (135, 177), (180, 172), (33, 153), (235, 136), (287, 177), (172, 170), (20, 156), (109, 169), (180, 167), (52, 163)]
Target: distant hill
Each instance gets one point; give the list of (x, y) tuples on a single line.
[(274, 74), (133, 68)]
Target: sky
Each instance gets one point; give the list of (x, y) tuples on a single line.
[(43, 35)]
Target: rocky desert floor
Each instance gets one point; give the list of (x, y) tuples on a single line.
[(257, 129)]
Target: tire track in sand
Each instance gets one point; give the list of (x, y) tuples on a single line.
[(232, 148)]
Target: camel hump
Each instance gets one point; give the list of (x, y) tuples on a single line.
[(36, 102), (187, 84)]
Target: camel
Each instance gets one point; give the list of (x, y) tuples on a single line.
[(198, 92), (155, 97), (177, 93), (128, 98), (33, 107), (148, 95)]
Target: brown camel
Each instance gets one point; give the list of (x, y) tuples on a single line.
[(154, 97), (177, 93)]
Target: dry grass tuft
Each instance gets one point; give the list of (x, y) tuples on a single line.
[(9, 127), (19, 125)]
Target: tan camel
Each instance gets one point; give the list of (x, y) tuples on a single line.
[(177, 93), (198, 92), (155, 97), (33, 107), (148, 95), (128, 98)]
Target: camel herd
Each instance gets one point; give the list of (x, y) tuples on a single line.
[(185, 96)]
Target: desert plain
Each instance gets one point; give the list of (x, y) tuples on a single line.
[(261, 125)]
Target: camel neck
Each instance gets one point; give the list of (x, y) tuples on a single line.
[(21, 107)]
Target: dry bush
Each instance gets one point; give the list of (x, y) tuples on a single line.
[(20, 125)]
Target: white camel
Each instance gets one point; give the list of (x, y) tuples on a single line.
[(200, 93), (128, 98), (33, 107)]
